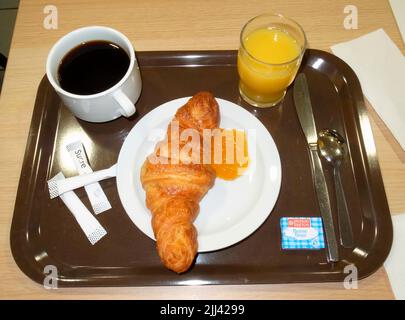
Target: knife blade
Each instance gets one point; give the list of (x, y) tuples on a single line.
[(303, 107)]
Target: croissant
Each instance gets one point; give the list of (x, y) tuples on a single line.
[(175, 188)]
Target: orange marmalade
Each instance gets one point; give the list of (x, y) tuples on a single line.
[(229, 154)]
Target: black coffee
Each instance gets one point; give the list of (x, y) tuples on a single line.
[(92, 67)]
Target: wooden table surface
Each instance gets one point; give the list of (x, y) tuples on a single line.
[(176, 25)]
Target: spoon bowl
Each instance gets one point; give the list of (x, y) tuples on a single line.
[(331, 145)]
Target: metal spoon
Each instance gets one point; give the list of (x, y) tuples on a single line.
[(330, 145)]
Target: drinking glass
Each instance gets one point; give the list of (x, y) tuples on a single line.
[(263, 82)]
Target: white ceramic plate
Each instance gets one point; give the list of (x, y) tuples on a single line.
[(231, 210)]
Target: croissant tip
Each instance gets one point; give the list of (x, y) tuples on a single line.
[(204, 93), (182, 270)]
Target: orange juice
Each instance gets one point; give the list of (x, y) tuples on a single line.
[(268, 61)]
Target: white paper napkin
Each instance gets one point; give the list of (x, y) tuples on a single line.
[(398, 8), (395, 263), (380, 66)]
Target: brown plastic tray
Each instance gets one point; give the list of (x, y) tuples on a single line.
[(44, 233)]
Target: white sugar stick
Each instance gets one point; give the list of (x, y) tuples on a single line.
[(93, 230), (96, 195), (58, 187)]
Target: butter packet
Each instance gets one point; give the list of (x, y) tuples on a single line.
[(302, 233)]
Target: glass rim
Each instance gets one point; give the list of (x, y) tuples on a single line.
[(304, 47)]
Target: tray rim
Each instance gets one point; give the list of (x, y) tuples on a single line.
[(28, 268)]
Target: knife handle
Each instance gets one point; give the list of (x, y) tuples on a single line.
[(324, 205)]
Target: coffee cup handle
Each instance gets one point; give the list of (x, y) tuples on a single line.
[(127, 107)]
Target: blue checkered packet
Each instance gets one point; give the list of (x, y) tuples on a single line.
[(302, 233)]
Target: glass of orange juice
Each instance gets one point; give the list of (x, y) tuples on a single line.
[(270, 53)]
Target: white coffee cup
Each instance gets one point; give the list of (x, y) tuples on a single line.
[(119, 100)]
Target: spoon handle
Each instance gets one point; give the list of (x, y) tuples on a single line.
[(345, 225)]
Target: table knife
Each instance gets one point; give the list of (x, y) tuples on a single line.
[(305, 115)]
